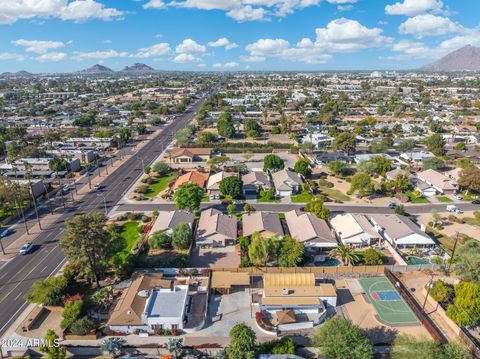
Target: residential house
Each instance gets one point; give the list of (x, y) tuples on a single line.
[(151, 303), (441, 183), (400, 231), (189, 155), (213, 184), (254, 181), (318, 140), (312, 231), (286, 182), (292, 301), (168, 220), (195, 177), (414, 157), (267, 224), (354, 229), (216, 229), (323, 158), (393, 174)]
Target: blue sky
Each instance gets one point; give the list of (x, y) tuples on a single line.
[(66, 35)]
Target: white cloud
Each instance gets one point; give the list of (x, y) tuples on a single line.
[(202, 65), (189, 46), (267, 47), (51, 57), (342, 1), (223, 42), (182, 58), (252, 58), (231, 64), (38, 47), (345, 7), (5, 56), (160, 49), (95, 55), (217, 65), (154, 4), (107, 42), (428, 25), (343, 35), (251, 10), (77, 10), (414, 7)]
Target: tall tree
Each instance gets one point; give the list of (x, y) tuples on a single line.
[(470, 179), (188, 196), (88, 245), (231, 186), (318, 208), (345, 253), (290, 253), (338, 338), (467, 261), (362, 183), (242, 342), (302, 167), (181, 236), (272, 163), (346, 142), (262, 250), (436, 144), (51, 347), (465, 310)]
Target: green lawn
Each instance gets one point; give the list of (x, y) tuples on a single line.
[(469, 196), (159, 185), (129, 233), (471, 221), (267, 200), (416, 200), (334, 194), (303, 197), (444, 199), (445, 242)]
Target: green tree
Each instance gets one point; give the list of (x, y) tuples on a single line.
[(436, 144), (318, 208), (225, 125), (82, 326), (467, 261), (407, 145), (262, 250), (470, 179), (231, 208), (113, 346), (440, 291), (252, 128), (345, 253), (51, 347), (362, 183), (401, 183), (188, 196), (242, 342), (456, 350), (382, 165), (231, 186), (433, 163), (204, 138), (409, 347), (183, 136), (372, 257), (346, 142), (159, 239), (461, 146), (338, 167), (290, 253), (175, 347), (88, 245), (272, 163), (58, 164), (465, 309), (182, 236), (71, 312), (161, 168), (338, 338), (302, 167), (50, 291)]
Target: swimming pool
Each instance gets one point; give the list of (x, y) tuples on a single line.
[(417, 260), (328, 262)]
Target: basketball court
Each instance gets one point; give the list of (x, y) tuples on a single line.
[(390, 307)]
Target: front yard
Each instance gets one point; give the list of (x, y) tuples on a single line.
[(415, 199), (159, 185), (303, 197), (334, 194)]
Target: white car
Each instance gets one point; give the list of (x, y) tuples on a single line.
[(26, 248), (452, 208), (97, 187), (458, 196)]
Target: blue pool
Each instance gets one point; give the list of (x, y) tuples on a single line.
[(328, 262)]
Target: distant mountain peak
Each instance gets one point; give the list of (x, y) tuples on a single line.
[(21, 73), (138, 67), (466, 58), (96, 69)]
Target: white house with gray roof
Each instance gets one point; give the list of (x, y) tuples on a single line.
[(216, 229), (286, 182)]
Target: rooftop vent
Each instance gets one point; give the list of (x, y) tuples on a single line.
[(143, 293), (285, 291)]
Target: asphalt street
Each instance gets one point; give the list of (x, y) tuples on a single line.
[(285, 207), (18, 274)]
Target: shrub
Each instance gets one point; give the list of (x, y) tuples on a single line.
[(82, 326), (440, 291), (372, 257), (50, 291), (160, 239), (141, 189), (71, 313), (145, 218)]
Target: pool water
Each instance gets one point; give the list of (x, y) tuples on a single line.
[(328, 262), (417, 260)]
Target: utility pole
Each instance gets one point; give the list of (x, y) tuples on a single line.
[(453, 252), (429, 287)]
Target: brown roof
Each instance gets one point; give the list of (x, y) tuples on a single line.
[(261, 221), (322, 290), (213, 221), (195, 177), (229, 279), (306, 227), (130, 305), (190, 152), (285, 316)]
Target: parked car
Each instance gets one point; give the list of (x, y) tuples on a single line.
[(26, 248), (458, 196), (477, 201), (7, 232), (392, 205), (97, 187)]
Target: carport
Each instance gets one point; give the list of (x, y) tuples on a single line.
[(222, 282)]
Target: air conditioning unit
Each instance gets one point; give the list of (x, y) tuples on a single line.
[(285, 291)]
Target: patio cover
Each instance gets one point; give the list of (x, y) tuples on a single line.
[(285, 316), (229, 279)]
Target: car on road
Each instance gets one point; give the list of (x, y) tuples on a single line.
[(392, 205), (26, 248), (452, 208), (477, 201), (458, 196), (97, 187), (7, 232)]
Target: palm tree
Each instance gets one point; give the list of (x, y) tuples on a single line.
[(113, 346), (345, 253), (174, 346)]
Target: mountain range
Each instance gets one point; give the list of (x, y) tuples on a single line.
[(466, 58)]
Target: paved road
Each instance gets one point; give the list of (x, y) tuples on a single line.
[(284, 207), (17, 276)]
